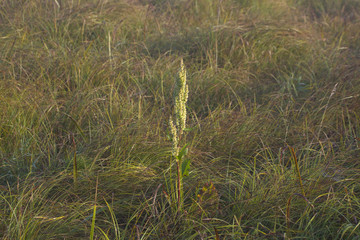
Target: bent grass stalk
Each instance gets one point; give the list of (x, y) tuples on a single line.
[(288, 220), (297, 169), (75, 169), (92, 231)]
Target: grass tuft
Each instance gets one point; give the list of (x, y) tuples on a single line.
[(86, 89)]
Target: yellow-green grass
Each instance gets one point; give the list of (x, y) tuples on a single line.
[(272, 119)]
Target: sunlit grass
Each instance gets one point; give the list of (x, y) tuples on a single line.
[(272, 126)]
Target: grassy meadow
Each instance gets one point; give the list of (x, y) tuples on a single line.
[(271, 144)]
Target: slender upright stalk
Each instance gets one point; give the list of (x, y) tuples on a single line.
[(180, 97)]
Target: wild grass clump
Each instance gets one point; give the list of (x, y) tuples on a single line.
[(346, 9), (272, 119)]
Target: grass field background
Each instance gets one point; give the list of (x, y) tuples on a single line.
[(273, 119)]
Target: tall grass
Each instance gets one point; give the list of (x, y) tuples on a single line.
[(86, 89)]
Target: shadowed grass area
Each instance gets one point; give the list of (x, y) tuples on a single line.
[(87, 89)]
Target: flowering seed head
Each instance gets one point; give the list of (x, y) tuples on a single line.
[(175, 139), (181, 98)]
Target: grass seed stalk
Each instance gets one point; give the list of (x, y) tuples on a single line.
[(180, 97)]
